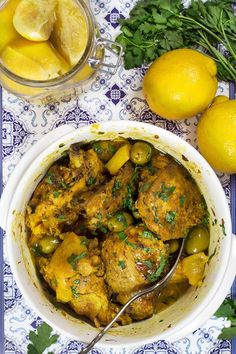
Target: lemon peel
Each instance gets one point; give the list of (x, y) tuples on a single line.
[(34, 19)]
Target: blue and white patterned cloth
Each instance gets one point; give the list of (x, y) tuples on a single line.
[(105, 98)]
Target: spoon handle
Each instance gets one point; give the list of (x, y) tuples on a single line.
[(105, 329)]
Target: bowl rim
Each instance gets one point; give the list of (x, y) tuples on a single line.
[(151, 130)]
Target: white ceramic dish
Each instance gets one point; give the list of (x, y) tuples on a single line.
[(193, 309)]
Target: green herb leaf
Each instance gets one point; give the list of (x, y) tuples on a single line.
[(145, 187), (122, 264), (41, 339), (155, 27), (228, 310), (56, 194), (170, 217), (97, 148), (182, 200), (73, 259), (74, 291), (165, 192), (154, 276), (91, 181), (116, 186), (122, 235)]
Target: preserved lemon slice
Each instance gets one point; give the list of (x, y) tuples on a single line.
[(35, 61), (21, 65), (34, 19), (8, 32), (70, 32)]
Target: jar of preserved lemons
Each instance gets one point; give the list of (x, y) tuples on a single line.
[(50, 48)]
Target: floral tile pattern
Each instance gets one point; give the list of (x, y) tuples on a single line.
[(104, 98)]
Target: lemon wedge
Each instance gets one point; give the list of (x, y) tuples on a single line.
[(20, 65), (8, 32), (70, 32), (34, 61), (34, 19)]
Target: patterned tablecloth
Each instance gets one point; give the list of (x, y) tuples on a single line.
[(105, 98)]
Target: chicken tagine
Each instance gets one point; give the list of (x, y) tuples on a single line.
[(105, 222)]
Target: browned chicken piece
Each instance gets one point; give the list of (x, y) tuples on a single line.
[(133, 260), (52, 205), (170, 203), (75, 272), (109, 198)]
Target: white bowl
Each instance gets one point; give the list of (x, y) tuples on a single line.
[(191, 310)]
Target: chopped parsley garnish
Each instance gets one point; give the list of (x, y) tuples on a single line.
[(49, 180), (182, 200), (111, 148), (63, 185), (170, 217), (98, 216), (73, 259), (122, 235), (74, 291), (148, 263), (56, 194), (206, 218), (165, 192), (61, 217), (84, 241), (76, 281), (145, 187), (116, 186), (102, 227), (91, 181), (122, 264), (222, 225), (150, 168), (97, 148), (154, 276), (147, 234), (61, 145)]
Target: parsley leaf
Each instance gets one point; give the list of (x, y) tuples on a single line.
[(228, 310), (73, 259), (41, 339), (122, 264), (170, 217), (154, 276)]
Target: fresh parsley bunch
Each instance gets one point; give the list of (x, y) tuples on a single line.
[(158, 26)]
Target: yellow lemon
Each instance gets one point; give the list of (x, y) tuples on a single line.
[(180, 84), (33, 60), (7, 31), (216, 135), (70, 32), (34, 19)]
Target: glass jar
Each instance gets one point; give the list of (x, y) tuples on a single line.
[(99, 54)]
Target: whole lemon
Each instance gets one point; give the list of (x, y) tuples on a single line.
[(180, 84), (216, 135)]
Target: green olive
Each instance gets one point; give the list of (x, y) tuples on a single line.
[(120, 222), (136, 214), (106, 148), (48, 244), (174, 245), (197, 240), (140, 153)]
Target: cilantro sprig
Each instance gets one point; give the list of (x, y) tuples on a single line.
[(228, 310), (157, 26), (41, 339)]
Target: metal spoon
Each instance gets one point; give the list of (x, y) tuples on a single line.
[(156, 286)]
